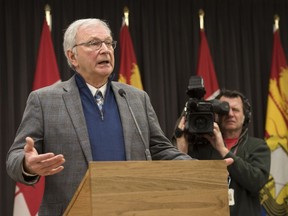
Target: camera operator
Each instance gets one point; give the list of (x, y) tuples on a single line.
[(230, 139)]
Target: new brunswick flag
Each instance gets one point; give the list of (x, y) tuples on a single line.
[(27, 198), (274, 196), (205, 68), (129, 72)]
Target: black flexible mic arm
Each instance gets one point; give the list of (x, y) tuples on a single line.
[(122, 93)]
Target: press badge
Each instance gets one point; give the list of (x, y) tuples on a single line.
[(231, 197), (230, 193)]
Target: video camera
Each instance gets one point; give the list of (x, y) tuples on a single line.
[(200, 113)]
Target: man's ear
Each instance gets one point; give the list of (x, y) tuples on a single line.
[(243, 120), (72, 57)]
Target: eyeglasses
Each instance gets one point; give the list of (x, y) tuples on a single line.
[(97, 44)]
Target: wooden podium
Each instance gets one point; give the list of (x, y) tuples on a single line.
[(152, 188)]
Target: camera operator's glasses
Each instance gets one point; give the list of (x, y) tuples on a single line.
[(97, 44)]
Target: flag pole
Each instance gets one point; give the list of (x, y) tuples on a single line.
[(126, 16), (276, 22), (48, 16), (201, 19), (205, 66)]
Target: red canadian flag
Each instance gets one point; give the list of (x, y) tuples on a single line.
[(129, 72), (206, 69), (27, 198)]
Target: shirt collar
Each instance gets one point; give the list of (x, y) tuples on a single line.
[(94, 90)]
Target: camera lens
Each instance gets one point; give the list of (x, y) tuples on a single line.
[(201, 123)]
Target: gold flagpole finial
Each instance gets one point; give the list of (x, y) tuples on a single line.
[(201, 18), (48, 16), (126, 15), (276, 22)]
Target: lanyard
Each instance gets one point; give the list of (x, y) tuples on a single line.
[(229, 181), (235, 150)]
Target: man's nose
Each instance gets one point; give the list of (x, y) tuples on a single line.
[(230, 112), (104, 48)]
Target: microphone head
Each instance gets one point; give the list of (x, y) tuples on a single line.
[(122, 92)]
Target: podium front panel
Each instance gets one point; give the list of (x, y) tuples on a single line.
[(159, 188)]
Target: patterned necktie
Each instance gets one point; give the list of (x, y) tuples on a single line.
[(99, 100)]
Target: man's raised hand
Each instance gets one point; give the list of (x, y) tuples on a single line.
[(41, 164)]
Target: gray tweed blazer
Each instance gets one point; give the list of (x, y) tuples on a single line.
[(54, 118)]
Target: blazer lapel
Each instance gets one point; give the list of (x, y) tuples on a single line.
[(73, 104)]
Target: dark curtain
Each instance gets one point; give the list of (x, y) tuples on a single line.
[(166, 38)]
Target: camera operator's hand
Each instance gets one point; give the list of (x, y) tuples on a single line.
[(182, 143), (217, 141)]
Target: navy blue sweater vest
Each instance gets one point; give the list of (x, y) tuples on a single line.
[(105, 135)]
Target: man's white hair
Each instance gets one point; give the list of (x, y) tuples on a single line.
[(70, 34)]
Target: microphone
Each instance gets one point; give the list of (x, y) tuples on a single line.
[(122, 93)]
